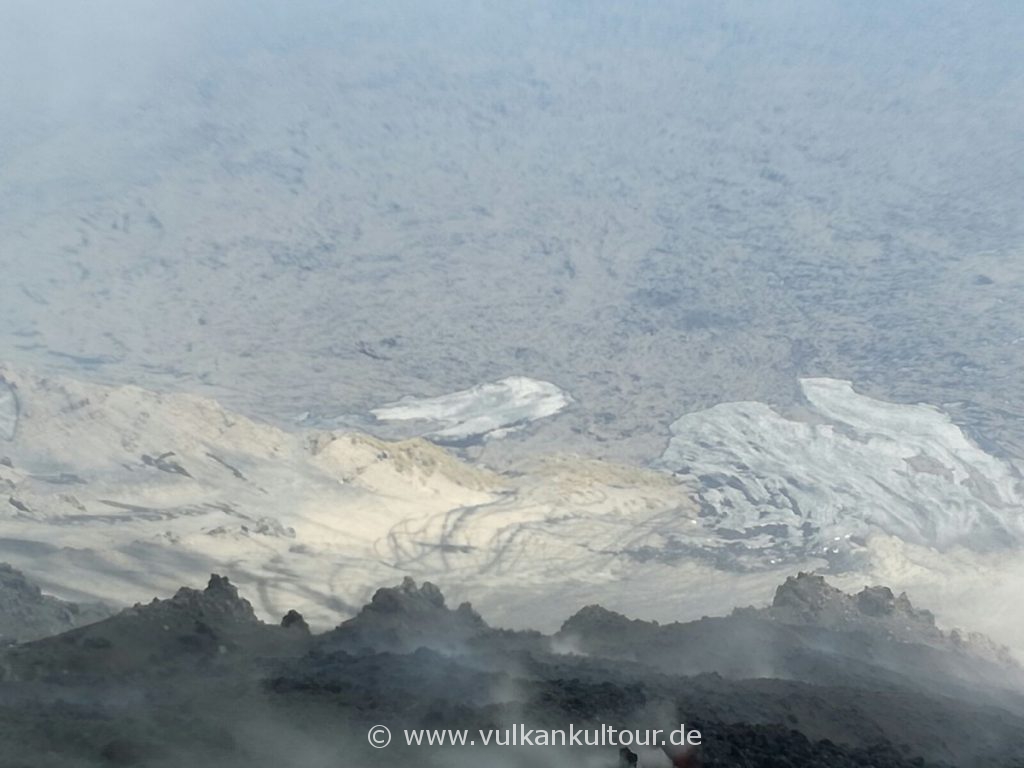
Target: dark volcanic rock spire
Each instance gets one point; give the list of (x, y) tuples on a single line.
[(407, 617)]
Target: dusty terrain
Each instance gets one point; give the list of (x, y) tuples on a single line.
[(328, 209)]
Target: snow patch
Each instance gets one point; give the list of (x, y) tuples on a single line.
[(773, 487), (484, 411)]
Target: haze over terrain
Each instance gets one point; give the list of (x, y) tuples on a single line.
[(319, 209), (577, 310), (819, 679)]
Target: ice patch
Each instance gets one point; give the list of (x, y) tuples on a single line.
[(775, 487), (484, 411), (8, 412)]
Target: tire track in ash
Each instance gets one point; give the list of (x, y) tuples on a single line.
[(417, 532), (426, 545)]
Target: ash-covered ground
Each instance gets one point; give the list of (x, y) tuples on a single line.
[(320, 208), (818, 678)]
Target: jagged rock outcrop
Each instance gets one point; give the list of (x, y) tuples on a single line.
[(595, 630), (597, 619), (809, 624), (407, 599), (408, 617), (193, 626), (27, 614), (807, 599), (767, 692), (220, 601), (293, 620)]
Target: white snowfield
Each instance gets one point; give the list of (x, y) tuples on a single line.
[(122, 494), (485, 411), (778, 487)]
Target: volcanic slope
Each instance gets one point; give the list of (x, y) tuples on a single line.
[(820, 678), (115, 493)]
